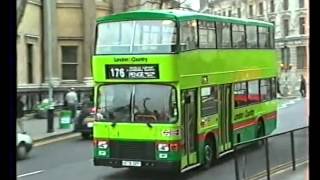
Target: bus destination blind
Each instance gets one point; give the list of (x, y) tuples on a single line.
[(132, 71)]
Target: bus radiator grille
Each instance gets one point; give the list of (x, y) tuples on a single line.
[(132, 150)]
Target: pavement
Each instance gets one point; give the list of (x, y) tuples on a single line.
[(37, 128)]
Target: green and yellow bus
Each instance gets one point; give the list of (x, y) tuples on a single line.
[(177, 89)]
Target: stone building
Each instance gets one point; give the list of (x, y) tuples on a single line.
[(291, 19), (72, 29)]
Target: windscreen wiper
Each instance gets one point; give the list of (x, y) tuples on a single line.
[(113, 124), (149, 125)]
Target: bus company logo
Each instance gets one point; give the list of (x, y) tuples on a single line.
[(132, 59), (171, 132)]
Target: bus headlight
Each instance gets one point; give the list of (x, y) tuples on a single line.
[(163, 147)]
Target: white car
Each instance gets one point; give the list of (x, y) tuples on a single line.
[(24, 145)]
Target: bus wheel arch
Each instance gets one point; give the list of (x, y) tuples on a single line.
[(209, 150)]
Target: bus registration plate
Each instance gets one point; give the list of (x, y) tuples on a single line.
[(131, 163)]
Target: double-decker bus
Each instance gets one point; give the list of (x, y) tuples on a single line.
[(177, 89)]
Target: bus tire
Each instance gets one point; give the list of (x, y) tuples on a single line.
[(85, 136), (208, 153)]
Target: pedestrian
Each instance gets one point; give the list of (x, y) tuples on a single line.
[(20, 114), (303, 86), (278, 87), (72, 101)]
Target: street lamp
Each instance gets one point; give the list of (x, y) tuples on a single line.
[(286, 65), (48, 46)]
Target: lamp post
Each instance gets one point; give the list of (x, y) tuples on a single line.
[(286, 67), (48, 48)]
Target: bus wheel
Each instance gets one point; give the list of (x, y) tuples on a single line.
[(208, 154)]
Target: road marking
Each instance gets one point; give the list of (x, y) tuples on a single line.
[(277, 170), (41, 143), (29, 174)]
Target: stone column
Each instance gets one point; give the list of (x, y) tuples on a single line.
[(89, 19), (306, 72), (50, 42)]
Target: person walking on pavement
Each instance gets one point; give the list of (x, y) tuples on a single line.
[(303, 86), (20, 114), (72, 101)]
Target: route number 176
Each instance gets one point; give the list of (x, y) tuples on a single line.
[(118, 72)]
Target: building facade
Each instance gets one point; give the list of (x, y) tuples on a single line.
[(290, 18), (72, 30)]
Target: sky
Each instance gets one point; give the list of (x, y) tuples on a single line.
[(195, 4)]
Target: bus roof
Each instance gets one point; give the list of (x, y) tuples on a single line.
[(178, 15)]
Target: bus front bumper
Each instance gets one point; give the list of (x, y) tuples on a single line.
[(117, 163)]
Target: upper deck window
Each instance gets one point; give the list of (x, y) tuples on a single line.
[(252, 37), (238, 36), (264, 40), (126, 37), (207, 34), (188, 35), (224, 35)]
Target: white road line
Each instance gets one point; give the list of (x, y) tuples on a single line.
[(31, 173), (41, 143)]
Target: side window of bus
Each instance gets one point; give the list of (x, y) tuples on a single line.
[(188, 35), (240, 94), (252, 37), (274, 88), (223, 35), (264, 40), (265, 89), (238, 36), (219, 34), (253, 92), (226, 35), (207, 34), (209, 101), (271, 36)]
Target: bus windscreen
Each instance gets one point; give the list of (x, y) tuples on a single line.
[(145, 103)]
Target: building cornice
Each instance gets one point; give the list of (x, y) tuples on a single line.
[(32, 36), (69, 38), (35, 2), (102, 7), (292, 38), (69, 5)]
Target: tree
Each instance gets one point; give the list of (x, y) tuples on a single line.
[(20, 7)]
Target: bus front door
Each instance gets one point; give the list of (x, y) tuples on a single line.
[(189, 127), (225, 125)]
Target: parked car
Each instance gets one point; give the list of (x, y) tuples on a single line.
[(84, 122), (24, 145)]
